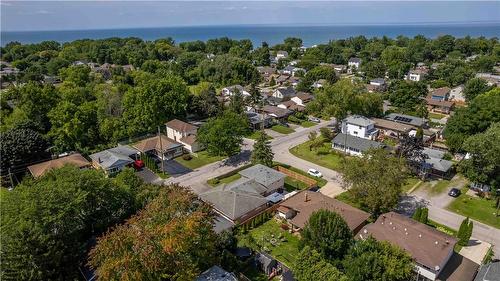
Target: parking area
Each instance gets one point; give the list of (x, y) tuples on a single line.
[(175, 169), (149, 176)]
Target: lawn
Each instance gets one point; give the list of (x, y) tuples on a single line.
[(347, 198), (433, 115), (282, 129), (226, 180), (199, 159), (410, 182), (477, 208), (307, 124), (323, 156), (269, 237), (292, 184), (255, 135), (435, 187)]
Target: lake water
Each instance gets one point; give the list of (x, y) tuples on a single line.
[(271, 34)]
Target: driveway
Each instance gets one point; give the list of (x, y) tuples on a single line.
[(331, 189), (175, 169), (149, 176)]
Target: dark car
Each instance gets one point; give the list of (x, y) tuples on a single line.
[(454, 192)]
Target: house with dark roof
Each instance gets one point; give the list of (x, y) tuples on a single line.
[(302, 98), (489, 272), (75, 159), (161, 147), (440, 94), (113, 160), (435, 165), (353, 145), (281, 55), (275, 112), (216, 273), (258, 121), (430, 249), (266, 263), (284, 92), (184, 133)]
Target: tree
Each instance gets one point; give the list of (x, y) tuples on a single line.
[(465, 232), (228, 70), (262, 152), (407, 95), (171, 238), (369, 259), (204, 100), (237, 102), (312, 266), (375, 179), (424, 216), (21, 146), (47, 222), (476, 118), (418, 213), (412, 149), (223, 135), (483, 165), (326, 133), (475, 87), (327, 233)]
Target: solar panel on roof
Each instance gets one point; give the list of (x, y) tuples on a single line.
[(402, 119)]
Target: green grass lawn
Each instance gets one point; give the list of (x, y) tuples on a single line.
[(477, 208), (199, 159), (347, 198), (330, 160), (226, 180), (256, 134), (435, 115), (292, 184), (307, 124), (435, 187), (410, 182), (282, 129), (269, 237)]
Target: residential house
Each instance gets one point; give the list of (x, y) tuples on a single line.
[(113, 160), (378, 82), (282, 80), (292, 70), (438, 106), (297, 209), (216, 273), (354, 145), (440, 94), (319, 84), (281, 55), (359, 126), (232, 90), (407, 119), (75, 159), (162, 147), (266, 72), (340, 68), (284, 93), (291, 105), (302, 98), (293, 81), (489, 272), (456, 94), (279, 114), (266, 263), (354, 64), (184, 133), (430, 249), (491, 79), (258, 120), (245, 198), (435, 165), (392, 129), (417, 74)]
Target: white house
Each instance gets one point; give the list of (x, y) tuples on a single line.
[(456, 94), (354, 63), (319, 84), (284, 92), (232, 90), (359, 126), (183, 133), (417, 74), (302, 98), (292, 70), (281, 55)]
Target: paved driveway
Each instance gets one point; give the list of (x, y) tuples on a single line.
[(149, 177), (175, 169)]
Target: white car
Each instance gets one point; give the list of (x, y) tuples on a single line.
[(314, 173)]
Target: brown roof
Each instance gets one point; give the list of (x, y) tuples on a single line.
[(441, 91), (391, 125), (304, 96), (317, 201), (427, 246), (76, 159), (180, 126), (189, 139), (458, 268), (153, 143), (288, 103), (433, 102), (297, 107)]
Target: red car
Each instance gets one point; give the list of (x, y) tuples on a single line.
[(138, 165)]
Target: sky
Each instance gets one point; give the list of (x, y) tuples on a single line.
[(77, 15)]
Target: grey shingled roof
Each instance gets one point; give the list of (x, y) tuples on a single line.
[(287, 92), (401, 118), (216, 273), (262, 174), (114, 157), (489, 272), (354, 60), (358, 120), (435, 158), (357, 143)]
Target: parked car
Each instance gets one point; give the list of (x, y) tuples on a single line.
[(315, 173), (454, 192), (138, 165), (314, 119)]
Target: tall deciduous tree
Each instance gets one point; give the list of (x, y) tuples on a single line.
[(378, 261), (376, 179), (262, 152), (171, 239), (475, 87), (223, 135), (327, 233), (312, 266)]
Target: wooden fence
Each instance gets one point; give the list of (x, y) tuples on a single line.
[(307, 180)]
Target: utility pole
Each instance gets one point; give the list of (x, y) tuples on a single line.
[(11, 181), (161, 152)]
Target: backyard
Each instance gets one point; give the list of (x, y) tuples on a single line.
[(323, 156), (292, 184), (476, 208), (198, 159), (271, 238), (282, 129)]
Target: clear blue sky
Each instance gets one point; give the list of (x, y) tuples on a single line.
[(68, 15)]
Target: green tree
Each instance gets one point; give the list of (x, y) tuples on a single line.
[(171, 238), (47, 222), (312, 266), (369, 259), (228, 70), (465, 232), (424, 216), (376, 179), (407, 95), (204, 100), (262, 152), (223, 135), (475, 87), (327, 233), (418, 213)]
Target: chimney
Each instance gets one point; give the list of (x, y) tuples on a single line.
[(100, 161), (306, 197)]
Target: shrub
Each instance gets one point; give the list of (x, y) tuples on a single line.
[(187, 157)]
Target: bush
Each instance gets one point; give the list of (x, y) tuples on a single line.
[(293, 119), (187, 157), (323, 151)]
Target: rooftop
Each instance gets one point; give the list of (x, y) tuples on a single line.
[(215, 273), (262, 174), (358, 120), (76, 159), (428, 246), (360, 144), (114, 157), (180, 126), (391, 125), (406, 119), (489, 272), (278, 112), (162, 143), (441, 92)]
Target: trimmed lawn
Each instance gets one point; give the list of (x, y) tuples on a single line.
[(476, 208), (199, 159), (435, 187), (256, 134), (226, 180), (410, 182), (307, 124), (282, 129), (436, 115), (347, 198), (330, 160), (269, 237), (292, 184)]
